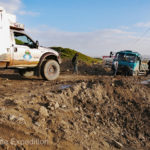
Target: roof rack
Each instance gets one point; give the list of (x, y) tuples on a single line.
[(17, 26)]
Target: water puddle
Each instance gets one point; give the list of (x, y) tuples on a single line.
[(62, 87), (146, 82)]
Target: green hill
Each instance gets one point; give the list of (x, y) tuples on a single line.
[(67, 53)]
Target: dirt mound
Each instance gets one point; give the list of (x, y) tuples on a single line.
[(74, 112), (107, 114)]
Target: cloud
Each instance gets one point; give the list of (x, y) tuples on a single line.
[(30, 13), (11, 6), (16, 7), (143, 24), (124, 27), (95, 43)]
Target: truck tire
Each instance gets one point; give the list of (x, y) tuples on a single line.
[(50, 70)]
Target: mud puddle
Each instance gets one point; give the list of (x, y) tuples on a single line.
[(62, 87)]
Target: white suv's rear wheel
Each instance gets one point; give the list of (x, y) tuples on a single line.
[(50, 70)]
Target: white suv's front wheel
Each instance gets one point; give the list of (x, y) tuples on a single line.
[(50, 70)]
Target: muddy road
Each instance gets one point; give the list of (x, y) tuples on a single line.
[(89, 111)]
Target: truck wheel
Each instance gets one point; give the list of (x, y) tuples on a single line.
[(50, 70)]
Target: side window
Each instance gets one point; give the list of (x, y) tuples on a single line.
[(22, 39)]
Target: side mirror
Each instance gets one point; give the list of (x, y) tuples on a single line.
[(37, 44)]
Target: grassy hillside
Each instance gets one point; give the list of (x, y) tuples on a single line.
[(67, 53)]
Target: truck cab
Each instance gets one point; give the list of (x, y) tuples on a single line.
[(20, 52), (130, 62)]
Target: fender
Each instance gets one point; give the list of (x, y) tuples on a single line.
[(49, 55)]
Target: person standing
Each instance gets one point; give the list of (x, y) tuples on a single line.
[(111, 54), (148, 68), (75, 63), (115, 66)]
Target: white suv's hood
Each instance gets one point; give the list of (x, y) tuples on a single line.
[(44, 49)]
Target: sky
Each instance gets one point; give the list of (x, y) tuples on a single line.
[(93, 27)]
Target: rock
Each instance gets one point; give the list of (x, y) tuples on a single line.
[(97, 114), (12, 118), (112, 84), (85, 120), (37, 124), (43, 111), (52, 108), (63, 106), (21, 120), (83, 85), (56, 105), (76, 109), (117, 144)]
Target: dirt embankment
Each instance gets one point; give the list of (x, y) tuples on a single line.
[(75, 112)]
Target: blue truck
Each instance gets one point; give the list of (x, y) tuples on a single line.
[(130, 63)]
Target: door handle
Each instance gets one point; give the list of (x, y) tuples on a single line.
[(15, 49)]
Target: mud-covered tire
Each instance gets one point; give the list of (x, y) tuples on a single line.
[(50, 70)]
